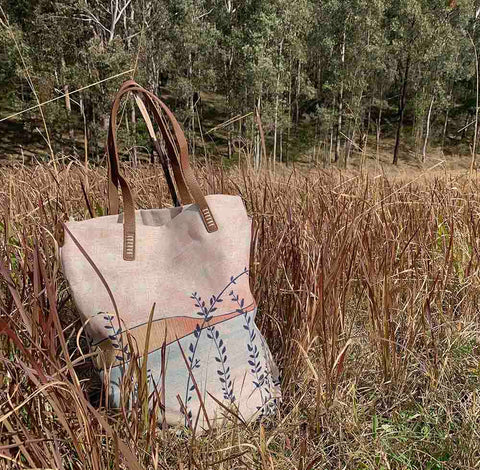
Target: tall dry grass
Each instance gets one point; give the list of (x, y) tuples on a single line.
[(368, 293)]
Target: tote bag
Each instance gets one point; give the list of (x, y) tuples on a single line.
[(190, 264)]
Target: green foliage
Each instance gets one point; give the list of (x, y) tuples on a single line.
[(350, 56)]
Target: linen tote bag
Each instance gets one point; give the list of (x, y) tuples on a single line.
[(188, 263)]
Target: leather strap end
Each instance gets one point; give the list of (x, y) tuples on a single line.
[(128, 244), (208, 219)]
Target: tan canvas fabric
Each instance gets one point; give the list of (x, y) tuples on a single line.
[(198, 282)]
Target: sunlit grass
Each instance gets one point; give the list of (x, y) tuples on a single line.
[(368, 293)]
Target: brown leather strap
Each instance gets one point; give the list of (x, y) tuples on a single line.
[(178, 152), (151, 101), (114, 163), (158, 149)]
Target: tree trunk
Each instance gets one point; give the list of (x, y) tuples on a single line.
[(275, 124), (379, 127), (328, 159), (401, 111), (475, 135), (348, 149), (281, 146), (427, 130), (445, 126), (369, 120), (68, 106), (297, 99), (340, 98), (133, 120), (290, 111)]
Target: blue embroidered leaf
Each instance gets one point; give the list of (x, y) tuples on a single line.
[(218, 360), (191, 347), (242, 302)]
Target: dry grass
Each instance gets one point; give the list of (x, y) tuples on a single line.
[(368, 291)]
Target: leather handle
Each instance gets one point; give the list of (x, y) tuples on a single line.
[(113, 153), (178, 152), (161, 154)]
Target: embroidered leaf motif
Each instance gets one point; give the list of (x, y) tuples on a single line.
[(212, 334), (259, 382)]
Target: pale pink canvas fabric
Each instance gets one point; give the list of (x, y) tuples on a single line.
[(199, 284)]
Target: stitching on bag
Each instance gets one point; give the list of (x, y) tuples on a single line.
[(209, 219), (130, 244)]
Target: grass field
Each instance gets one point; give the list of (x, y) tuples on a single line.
[(368, 290)]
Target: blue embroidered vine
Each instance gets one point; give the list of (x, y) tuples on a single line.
[(206, 314), (261, 382), (115, 336), (224, 372)]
